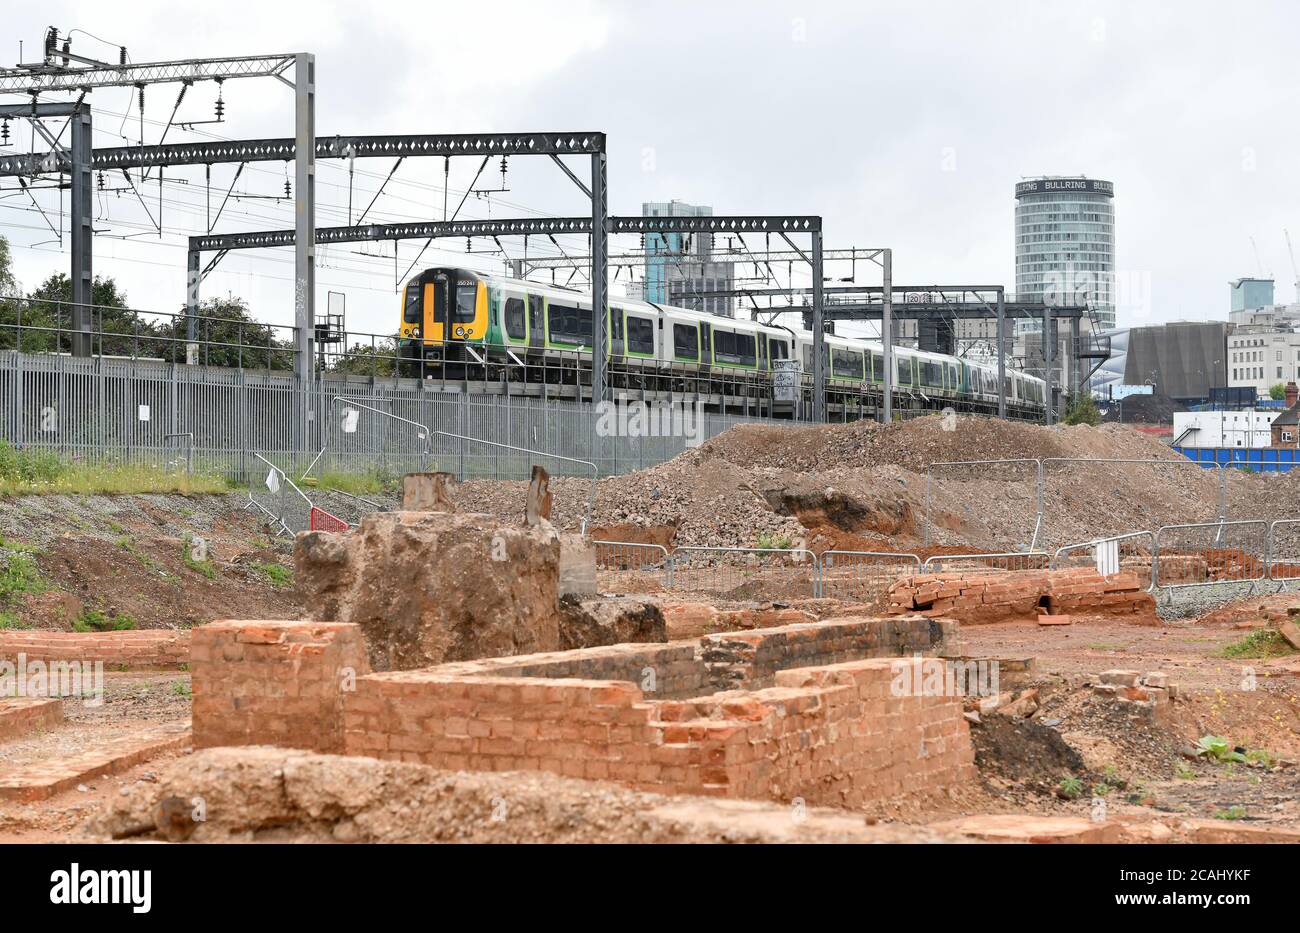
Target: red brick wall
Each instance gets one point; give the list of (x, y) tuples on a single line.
[(135, 649), (980, 596), (831, 735), (274, 683)]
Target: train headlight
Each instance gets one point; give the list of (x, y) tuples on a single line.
[(460, 332)]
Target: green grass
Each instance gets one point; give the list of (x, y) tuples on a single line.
[(1232, 813), (33, 472), (1264, 643), (277, 574), (372, 482), (18, 575), (774, 541), (95, 620), (181, 688), (1071, 788)]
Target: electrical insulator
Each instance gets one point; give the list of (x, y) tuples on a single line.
[(221, 104), (101, 181), (141, 87), (288, 192), (4, 132), (121, 55), (467, 244)]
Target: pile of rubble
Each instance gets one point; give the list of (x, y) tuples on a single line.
[(863, 486), (1140, 693)]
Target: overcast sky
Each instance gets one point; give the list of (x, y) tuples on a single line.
[(903, 124)]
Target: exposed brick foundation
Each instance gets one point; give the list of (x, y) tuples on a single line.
[(813, 716), (981, 596), (21, 715), (134, 649), (274, 683), (831, 735)]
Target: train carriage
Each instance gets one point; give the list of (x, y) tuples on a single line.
[(463, 324)]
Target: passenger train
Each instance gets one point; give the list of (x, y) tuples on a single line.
[(462, 320)]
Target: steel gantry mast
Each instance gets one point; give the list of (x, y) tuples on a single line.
[(62, 70)]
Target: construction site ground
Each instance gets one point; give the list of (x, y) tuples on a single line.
[(860, 486)]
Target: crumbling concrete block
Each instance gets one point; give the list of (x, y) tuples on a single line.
[(427, 492), (430, 587)]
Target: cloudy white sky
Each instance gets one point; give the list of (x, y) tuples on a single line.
[(902, 124)]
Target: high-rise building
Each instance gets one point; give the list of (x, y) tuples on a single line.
[(1065, 254), (679, 269), (1250, 294), (1065, 243)]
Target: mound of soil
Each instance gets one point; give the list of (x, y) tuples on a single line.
[(134, 556), (1023, 751)]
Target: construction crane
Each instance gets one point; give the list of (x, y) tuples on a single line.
[(1294, 271), (1258, 262)]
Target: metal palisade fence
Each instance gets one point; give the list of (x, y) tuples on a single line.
[(211, 419)]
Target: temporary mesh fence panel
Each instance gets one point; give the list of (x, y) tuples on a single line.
[(745, 573), (1133, 552), (864, 576), (1211, 552), (991, 563), (627, 567), (1284, 549)]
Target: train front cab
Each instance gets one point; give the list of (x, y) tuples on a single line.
[(444, 324)]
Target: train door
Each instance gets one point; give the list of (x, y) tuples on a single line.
[(435, 308)]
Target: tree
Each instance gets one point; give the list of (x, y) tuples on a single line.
[(1083, 410), (8, 284), (1277, 392), (228, 335), (46, 319), (364, 359)]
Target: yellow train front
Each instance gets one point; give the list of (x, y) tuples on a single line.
[(444, 323)]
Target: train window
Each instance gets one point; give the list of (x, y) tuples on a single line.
[(807, 358), (903, 369), (516, 324), (466, 301), (640, 335), (877, 367), (411, 310), (846, 364), (931, 374), (737, 349), (570, 325), (686, 342), (777, 349)]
